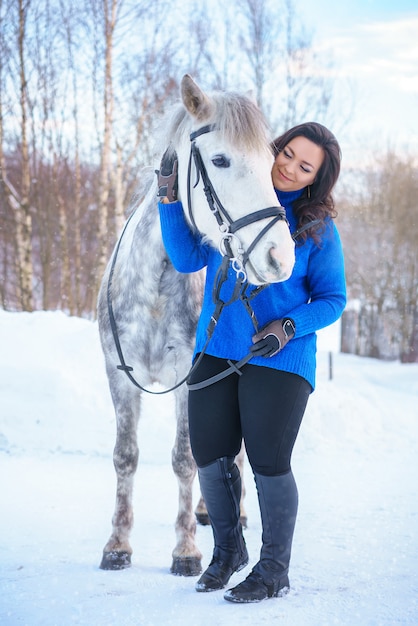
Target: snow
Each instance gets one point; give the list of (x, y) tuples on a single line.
[(355, 549)]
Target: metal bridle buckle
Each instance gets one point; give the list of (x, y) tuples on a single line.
[(239, 270), (225, 241), (226, 250)]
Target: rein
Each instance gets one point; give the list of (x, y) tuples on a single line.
[(228, 227)]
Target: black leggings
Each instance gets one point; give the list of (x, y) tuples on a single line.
[(264, 406)]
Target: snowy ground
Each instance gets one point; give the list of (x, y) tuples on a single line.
[(355, 555)]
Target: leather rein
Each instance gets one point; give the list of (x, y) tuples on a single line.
[(228, 228)]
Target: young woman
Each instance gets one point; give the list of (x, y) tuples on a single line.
[(264, 405)]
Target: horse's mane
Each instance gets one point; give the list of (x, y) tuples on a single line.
[(238, 119)]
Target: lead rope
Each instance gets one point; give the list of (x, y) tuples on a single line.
[(239, 292), (221, 277)]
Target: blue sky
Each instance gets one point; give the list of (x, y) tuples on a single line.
[(374, 48)]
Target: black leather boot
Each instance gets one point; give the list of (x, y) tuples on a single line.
[(220, 483), (278, 499)]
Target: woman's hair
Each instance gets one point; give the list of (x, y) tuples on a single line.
[(316, 201)]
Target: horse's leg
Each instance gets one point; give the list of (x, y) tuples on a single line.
[(117, 552), (201, 513), (201, 510), (187, 559)]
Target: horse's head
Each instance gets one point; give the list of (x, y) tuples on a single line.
[(225, 181)]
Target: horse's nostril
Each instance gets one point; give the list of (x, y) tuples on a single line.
[(273, 262)]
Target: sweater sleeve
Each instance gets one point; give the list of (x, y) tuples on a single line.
[(326, 283), (184, 246)]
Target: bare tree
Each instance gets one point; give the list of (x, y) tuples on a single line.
[(74, 303), (380, 231), (257, 45), (137, 94), (277, 51), (17, 196), (107, 14)]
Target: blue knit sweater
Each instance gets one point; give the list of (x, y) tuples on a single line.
[(314, 296)]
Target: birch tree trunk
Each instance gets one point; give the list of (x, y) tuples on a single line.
[(22, 205), (119, 189), (110, 13)]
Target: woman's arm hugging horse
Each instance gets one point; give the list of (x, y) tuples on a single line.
[(148, 311)]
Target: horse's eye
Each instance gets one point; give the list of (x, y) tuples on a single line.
[(221, 161)]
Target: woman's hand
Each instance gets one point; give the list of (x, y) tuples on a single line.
[(167, 177), (273, 337)]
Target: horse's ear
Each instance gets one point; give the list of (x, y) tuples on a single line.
[(198, 104)]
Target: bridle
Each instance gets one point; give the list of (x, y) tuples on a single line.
[(228, 228)]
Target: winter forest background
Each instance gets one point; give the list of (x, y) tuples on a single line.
[(83, 87)]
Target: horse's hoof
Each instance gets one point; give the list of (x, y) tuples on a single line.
[(115, 560), (186, 566), (202, 519)]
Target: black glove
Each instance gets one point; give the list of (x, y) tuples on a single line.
[(167, 176), (273, 337)]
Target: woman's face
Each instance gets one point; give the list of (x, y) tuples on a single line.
[(297, 165)]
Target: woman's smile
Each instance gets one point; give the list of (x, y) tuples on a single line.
[(297, 165), (284, 176)]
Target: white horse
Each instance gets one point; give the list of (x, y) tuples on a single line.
[(147, 311)]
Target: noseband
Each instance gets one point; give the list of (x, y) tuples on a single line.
[(227, 226)]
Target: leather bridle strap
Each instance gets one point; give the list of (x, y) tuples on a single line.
[(305, 227), (272, 211), (202, 131), (215, 205), (225, 222)]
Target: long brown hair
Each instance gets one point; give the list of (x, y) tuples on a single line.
[(316, 201)]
